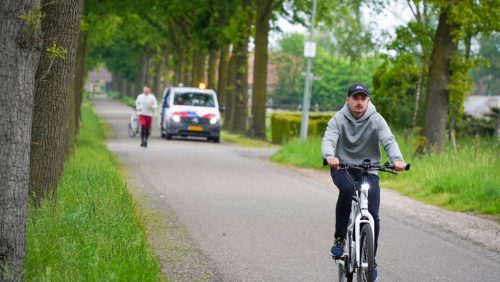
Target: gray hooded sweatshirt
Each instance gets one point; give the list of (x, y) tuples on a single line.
[(352, 140)]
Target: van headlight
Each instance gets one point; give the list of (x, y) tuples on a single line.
[(213, 120), (176, 118)]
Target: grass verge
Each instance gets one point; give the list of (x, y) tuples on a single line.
[(466, 181), (244, 141), (307, 154), (93, 231)]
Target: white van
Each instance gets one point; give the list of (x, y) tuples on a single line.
[(187, 111)]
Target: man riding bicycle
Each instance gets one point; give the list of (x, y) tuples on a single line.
[(353, 134)]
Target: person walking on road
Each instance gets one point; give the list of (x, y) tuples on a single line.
[(145, 105), (352, 135)]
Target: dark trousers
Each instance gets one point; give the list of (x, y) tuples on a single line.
[(144, 133), (346, 191)]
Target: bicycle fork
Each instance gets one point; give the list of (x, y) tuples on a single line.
[(362, 217)]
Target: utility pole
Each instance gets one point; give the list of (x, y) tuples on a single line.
[(309, 53)]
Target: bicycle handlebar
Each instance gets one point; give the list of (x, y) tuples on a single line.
[(367, 166)]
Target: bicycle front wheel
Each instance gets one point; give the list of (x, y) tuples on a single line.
[(367, 254)]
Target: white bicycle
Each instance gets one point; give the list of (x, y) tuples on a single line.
[(133, 126), (360, 256)]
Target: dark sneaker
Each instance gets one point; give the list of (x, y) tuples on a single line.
[(338, 247), (374, 273)]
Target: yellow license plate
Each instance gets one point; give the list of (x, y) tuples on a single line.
[(195, 128)]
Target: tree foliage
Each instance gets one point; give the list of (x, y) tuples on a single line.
[(343, 30), (395, 83), (334, 75)]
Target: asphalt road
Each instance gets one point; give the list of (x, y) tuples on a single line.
[(259, 221)]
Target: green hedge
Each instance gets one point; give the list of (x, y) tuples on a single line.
[(286, 126)]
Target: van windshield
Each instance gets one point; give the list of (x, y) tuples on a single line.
[(194, 99)]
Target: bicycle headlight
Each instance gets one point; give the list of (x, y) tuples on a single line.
[(365, 187), (176, 118), (213, 120)]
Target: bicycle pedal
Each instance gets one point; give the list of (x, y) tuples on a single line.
[(338, 258)]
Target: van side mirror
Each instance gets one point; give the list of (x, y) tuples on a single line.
[(222, 109)]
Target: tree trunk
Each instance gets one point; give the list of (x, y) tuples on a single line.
[(158, 68), (230, 93), (139, 79), (198, 68), (20, 45), (417, 95), (166, 72), (240, 118), (130, 89), (194, 68), (118, 82), (70, 121), (80, 74), (142, 74), (179, 73), (439, 78), (148, 78), (123, 86), (259, 93), (212, 68), (223, 69), (60, 26), (188, 78), (201, 68)]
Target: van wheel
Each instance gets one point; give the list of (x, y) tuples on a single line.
[(168, 136)]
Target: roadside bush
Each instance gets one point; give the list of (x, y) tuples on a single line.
[(469, 125), (286, 126)]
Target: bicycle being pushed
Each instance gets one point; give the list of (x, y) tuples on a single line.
[(360, 255), (133, 125)]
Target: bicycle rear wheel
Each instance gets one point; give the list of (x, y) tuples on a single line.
[(367, 254), (131, 131)]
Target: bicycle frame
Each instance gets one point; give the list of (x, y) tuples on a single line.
[(359, 215), (362, 215)]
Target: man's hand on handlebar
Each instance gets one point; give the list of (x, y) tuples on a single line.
[(333, 162), (399, 165)]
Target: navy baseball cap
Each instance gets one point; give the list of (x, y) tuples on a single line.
[(357, 88)]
